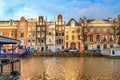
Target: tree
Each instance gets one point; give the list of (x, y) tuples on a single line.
[(118, 30)]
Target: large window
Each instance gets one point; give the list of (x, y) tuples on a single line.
[(105, 46), (1, 33), (72, 23), (104, 37), (73, 31), (111, 38), (98, 38), (56, 34), (38, 28), (72, 37), (66, 30), (66, 44), (85, 29), (11, 33), (98, 30), (21, 35), (78, 37), (62, 33), (91, 29), (85, 38), (104, 30), (66, 37), (91, 38), (29, 28), (111, 30)]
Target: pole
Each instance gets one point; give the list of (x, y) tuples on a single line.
[(12, 59), (45, 32)]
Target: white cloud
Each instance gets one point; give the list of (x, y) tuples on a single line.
[(73, 8), (2, 8)]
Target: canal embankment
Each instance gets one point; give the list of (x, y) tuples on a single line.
[(67, 54)]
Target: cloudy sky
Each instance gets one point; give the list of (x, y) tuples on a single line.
[(50, 8)]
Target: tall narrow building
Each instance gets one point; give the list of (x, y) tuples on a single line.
[(22, 31), (31, 33), (41, 33), (73, 35), (59, 32)]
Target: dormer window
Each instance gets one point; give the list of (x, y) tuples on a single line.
[(72, 23)]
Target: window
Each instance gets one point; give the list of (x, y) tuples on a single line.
[(42, 41), (105, 46), (78, 37), (38, 40), (1, 33), (78, 30), (72, 37), (62, 33), (98, 38), (72, 30), (38, 28), (72, 23), (98, 46), (85, 29), (111, 38), (66, 30), (111, 30), (56, 34), (21, 35), (78, 45), (29, 35), (11, 33), (38, 34), (33, 42), (59, 34), (22, 25), (105, 38), (91, 29), (85, 38), (111, 46), (29, 28), (66, 37), (28, 41), (98, 30), (91, 38), (105, 30), (66, 44)]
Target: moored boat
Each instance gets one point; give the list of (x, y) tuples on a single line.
[(111, 52)]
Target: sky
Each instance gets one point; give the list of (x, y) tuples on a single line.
[(92, 9)]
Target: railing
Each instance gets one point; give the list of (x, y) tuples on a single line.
[(7, 66)]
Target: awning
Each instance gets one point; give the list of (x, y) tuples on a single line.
[(5, 40)]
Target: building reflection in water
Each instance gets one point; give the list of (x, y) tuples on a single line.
[(70, 68)]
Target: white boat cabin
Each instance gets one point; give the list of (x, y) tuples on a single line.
[(111, 52)]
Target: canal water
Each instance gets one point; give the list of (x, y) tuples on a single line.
[(70, 68)]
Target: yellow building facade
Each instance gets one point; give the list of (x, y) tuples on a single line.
[(73, 35)]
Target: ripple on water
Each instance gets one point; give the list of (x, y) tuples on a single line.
[(71, 68)]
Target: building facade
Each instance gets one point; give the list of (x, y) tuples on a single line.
[(8, 29), (31, 33), (73, 35), (59, 32), (41, 33), (99, 34), (50, 36), (22, 31)]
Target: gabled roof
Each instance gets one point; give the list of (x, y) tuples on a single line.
[(69, 23), (5, 40)]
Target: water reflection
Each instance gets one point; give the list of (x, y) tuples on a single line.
[(70, 68)]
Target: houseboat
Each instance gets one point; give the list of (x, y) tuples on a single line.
[(111, 52)]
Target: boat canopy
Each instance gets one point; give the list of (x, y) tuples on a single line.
[(5, 40)]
